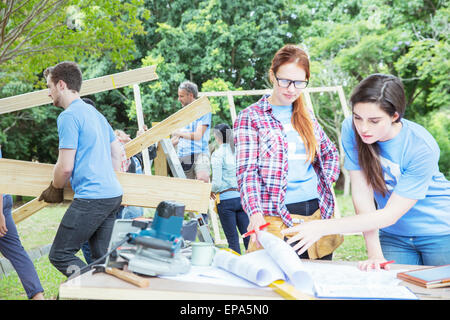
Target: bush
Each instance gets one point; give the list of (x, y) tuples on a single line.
[(438, 124)]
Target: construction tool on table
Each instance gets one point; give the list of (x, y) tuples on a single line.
[(153, 247)]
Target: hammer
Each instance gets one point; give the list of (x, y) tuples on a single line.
[(124, 275)]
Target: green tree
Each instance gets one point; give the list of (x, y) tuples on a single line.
[(35, 34)]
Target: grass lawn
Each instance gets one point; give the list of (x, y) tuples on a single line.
[(39, 230)]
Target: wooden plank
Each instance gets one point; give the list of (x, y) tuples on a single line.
[(232, 108), (344, 105), (261, 92), (172, 158), (91, 86), (141, 123), (179, 119), (31, 178), (28, 209), (215, 224), (234, 93), (160, 162)]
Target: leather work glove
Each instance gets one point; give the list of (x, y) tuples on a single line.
[(52, 194)]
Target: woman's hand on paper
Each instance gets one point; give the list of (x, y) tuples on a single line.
[(256, 220), (305, 233), (373, 264)]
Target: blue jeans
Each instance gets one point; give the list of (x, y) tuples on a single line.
[(86, 220), (416, 250), (12, 249), (130, 212), (232, 215)]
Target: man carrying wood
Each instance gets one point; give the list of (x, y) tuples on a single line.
[(89, 153), (193, 139)]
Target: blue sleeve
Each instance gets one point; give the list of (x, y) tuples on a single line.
[(216, 168), (112, 136), (67, 131), (349, 145), (205, 120), (418, 172)]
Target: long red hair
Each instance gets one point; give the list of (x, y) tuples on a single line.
[(300, 115)]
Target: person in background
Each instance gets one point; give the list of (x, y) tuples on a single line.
[(132, 165), (192, 141), (286, 164), (224, 183), (401, 198), (11, 248)]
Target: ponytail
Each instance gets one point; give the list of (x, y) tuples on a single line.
[(302, 123)]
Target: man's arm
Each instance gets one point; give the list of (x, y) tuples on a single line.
[(64, 167), (196, 135), (116, 152)]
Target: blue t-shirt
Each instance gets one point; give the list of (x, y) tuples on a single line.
[(302, 179), (410, 168), (186, 146), (83, 128)]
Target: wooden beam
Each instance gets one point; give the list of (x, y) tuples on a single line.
[(28, 209), (188, 114), (141, 124), (160, 162), (91, 86), (179, 119), (261, 92), (232, 108), (234, 93), (344, 105), (31, 178)]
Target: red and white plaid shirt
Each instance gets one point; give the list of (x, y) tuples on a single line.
[(262, 163), (124, 161)]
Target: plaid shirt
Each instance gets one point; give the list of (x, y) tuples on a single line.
[(124, 162), (262, 163)]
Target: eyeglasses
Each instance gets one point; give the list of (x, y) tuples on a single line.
[(285, 83)]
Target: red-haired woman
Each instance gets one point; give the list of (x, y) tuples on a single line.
[(285, 162)]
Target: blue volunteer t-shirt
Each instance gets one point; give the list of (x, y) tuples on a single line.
[(302, 179), (186, 146), (83, 128), (410, 167)]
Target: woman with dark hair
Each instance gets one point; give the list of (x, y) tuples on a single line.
[(286, 164), (223, 163), (396, 183)]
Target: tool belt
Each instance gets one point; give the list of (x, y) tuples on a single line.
[(230, 189), (324, 246)]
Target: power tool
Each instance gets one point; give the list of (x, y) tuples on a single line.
[(153, 248)]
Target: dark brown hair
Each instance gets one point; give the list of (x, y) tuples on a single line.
[(388, 93), (226, 134), (300, 117), (67, 71)]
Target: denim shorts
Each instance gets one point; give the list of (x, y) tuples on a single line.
[(416, 250)]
